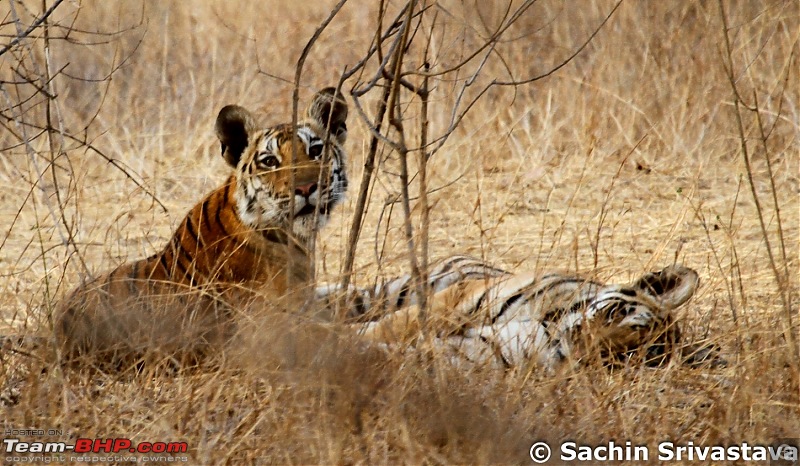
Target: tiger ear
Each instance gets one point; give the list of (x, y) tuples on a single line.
[(671, 287), (233, 127), (329, 110)]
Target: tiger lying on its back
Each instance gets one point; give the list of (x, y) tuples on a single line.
[(482, 314), (399, 292), (241, 237)]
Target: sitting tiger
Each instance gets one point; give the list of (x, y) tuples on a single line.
[(483, 315), (251, 235)]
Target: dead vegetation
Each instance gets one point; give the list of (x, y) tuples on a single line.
[(671, 137)]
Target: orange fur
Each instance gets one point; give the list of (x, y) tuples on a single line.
[(239, 243)]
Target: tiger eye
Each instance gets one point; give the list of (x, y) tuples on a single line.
[(238, 237), (270, 161), (315, 152)]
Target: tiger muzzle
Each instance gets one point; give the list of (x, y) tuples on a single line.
[(305, 190)]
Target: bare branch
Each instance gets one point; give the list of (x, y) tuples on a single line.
[(788, 314), (568, 59), (32, 27)]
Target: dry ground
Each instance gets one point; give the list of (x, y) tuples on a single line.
[(625, 160)]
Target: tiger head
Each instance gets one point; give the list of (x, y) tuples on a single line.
[(284, 175), (637, 320)]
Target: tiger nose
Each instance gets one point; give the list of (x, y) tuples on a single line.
[(305, 190)]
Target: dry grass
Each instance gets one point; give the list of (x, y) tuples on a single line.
[(625, 160)]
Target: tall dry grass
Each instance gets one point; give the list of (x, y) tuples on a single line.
[(626, 159)]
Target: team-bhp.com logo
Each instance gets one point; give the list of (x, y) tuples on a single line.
[(85, 445)]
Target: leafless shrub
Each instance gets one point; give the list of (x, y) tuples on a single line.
[(41, 128), (405, 62), (785, 282)]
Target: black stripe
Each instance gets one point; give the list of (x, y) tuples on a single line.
[(360, 306), (449, 265), (204, 213), (487, 272), (177, 262), (163, 261), (607, 308), (578, 305), (553, 314), (401, 297), (133, 278), (506, 305), (434, 285), (479, 303), (274, 235), (190, 228), (559, 312), (550, 286), (177, 250), (187, 254), (185, 270), (220, 205), (497, 351), (181, 252), (560, 353), (441, 274), (546, 324)]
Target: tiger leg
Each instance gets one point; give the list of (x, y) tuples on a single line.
[(400, 326), (463, 305), (332, 302)]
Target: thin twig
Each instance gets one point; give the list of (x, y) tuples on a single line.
[(295, 104), (782, 289), (32, 27)]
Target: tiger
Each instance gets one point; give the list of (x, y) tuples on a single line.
[(252, 235), (482, 315), (396, 293)]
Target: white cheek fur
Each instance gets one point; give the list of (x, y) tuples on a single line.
[(255, 206), (258, 207)]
